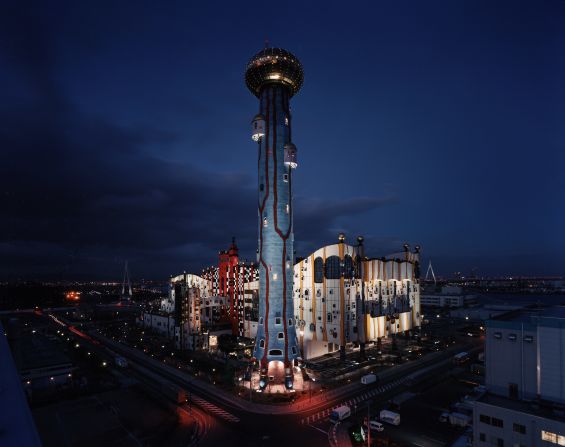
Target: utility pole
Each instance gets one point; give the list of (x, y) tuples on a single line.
[(251, 387), (369, 424)]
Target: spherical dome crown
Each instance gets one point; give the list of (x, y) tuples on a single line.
[(274, 65)]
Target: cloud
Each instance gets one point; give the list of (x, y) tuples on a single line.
[(80, 194), (318, 221)]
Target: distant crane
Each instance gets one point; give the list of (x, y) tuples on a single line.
[(126, 296), (430, 270)]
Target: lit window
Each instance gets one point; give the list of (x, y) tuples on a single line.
[(553, 438), (265, 222), (287, 208)]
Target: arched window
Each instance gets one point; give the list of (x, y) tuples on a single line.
[(318, 270), (357, 267), (332, 268), (347, 267)]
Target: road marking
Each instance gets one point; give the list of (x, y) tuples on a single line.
[(319, 429), (214, 409)]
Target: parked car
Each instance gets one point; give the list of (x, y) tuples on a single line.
[(376, 426)]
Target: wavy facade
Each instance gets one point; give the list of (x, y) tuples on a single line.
[(342, 298)]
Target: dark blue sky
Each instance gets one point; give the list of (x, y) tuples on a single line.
[(125, 132)]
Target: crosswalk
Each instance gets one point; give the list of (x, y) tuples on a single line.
[(211, 408), (321, 415)]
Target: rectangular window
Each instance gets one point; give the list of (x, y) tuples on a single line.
[(497, 422), (499, 442), (285, 177), (482, 437), (519, 428), (484, 419)]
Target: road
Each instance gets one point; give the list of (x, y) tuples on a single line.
[(229, 417), (270, 427)]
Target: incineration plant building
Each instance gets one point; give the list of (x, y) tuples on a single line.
[(340, 299)]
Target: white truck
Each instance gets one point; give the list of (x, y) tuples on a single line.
[(369, 378), (390, 417), (339, 414)]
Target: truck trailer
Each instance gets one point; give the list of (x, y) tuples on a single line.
[(369, 378), (340, 413)]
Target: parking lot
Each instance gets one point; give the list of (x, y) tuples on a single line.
[(419, 412)]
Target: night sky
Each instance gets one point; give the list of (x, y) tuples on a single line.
[(125, 133)]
